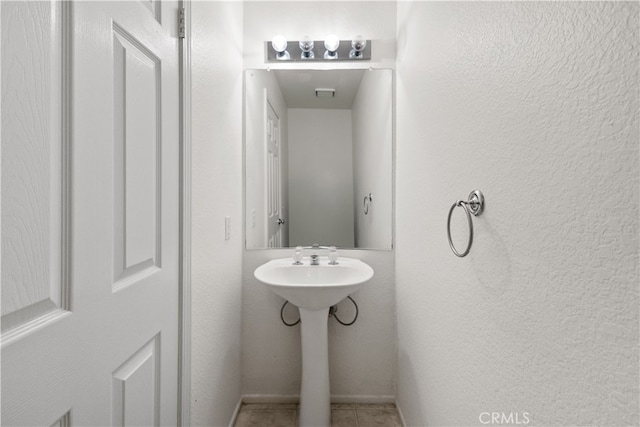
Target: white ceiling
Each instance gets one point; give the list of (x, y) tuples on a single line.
[(299, 87)]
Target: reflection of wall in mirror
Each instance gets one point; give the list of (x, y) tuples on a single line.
[(320, 177), (257, 83), (372, 159)]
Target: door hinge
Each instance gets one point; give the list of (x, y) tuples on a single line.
[(181, 23)]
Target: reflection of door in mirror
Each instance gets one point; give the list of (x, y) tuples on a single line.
[(266, 164), (275, 220)]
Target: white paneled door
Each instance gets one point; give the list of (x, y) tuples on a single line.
[(275, 221), (90, 202)]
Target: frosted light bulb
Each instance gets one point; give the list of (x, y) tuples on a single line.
[(359, 43), (331, 43), (306, 44), (279, 43)]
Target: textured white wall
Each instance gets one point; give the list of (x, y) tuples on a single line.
[(217, 182), (363, 355), (372, 114), (536, 104), (320, 177)]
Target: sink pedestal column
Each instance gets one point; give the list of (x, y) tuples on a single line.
[(315, 406)]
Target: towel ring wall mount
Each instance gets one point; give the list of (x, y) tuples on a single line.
[(474, 205)]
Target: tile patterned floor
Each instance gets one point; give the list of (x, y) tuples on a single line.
[(342, 415)]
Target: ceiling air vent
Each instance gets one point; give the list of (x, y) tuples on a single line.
[(325, 93)]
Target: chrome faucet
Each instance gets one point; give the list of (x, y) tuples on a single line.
[(315, 258)]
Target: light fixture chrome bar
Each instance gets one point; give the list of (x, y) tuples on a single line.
[(295, 53)]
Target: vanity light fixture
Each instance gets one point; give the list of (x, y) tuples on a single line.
[(309, 50), (331, 43), (306, 47), (279, 44)]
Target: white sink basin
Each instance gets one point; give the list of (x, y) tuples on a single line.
[(314, 287)]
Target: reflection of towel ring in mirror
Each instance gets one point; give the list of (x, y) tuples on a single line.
[(367, 201)]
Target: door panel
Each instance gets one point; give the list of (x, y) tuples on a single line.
[(35, 282), (137, 167), (95, 238), (136, 388)]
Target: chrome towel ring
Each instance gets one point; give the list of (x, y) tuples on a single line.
[(366, 203), (474, 205)]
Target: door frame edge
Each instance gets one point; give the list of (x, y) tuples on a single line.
[(184, 350)]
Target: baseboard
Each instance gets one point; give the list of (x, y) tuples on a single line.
[(236, 411), (270, 398), (335, 398), (362, 398), (402, 421)]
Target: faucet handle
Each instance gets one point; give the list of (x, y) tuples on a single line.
[(297, 256), (333, 255)]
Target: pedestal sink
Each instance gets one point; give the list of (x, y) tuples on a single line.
[(314, 288)]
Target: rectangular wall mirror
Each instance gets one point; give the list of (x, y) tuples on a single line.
[(319, 158)]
